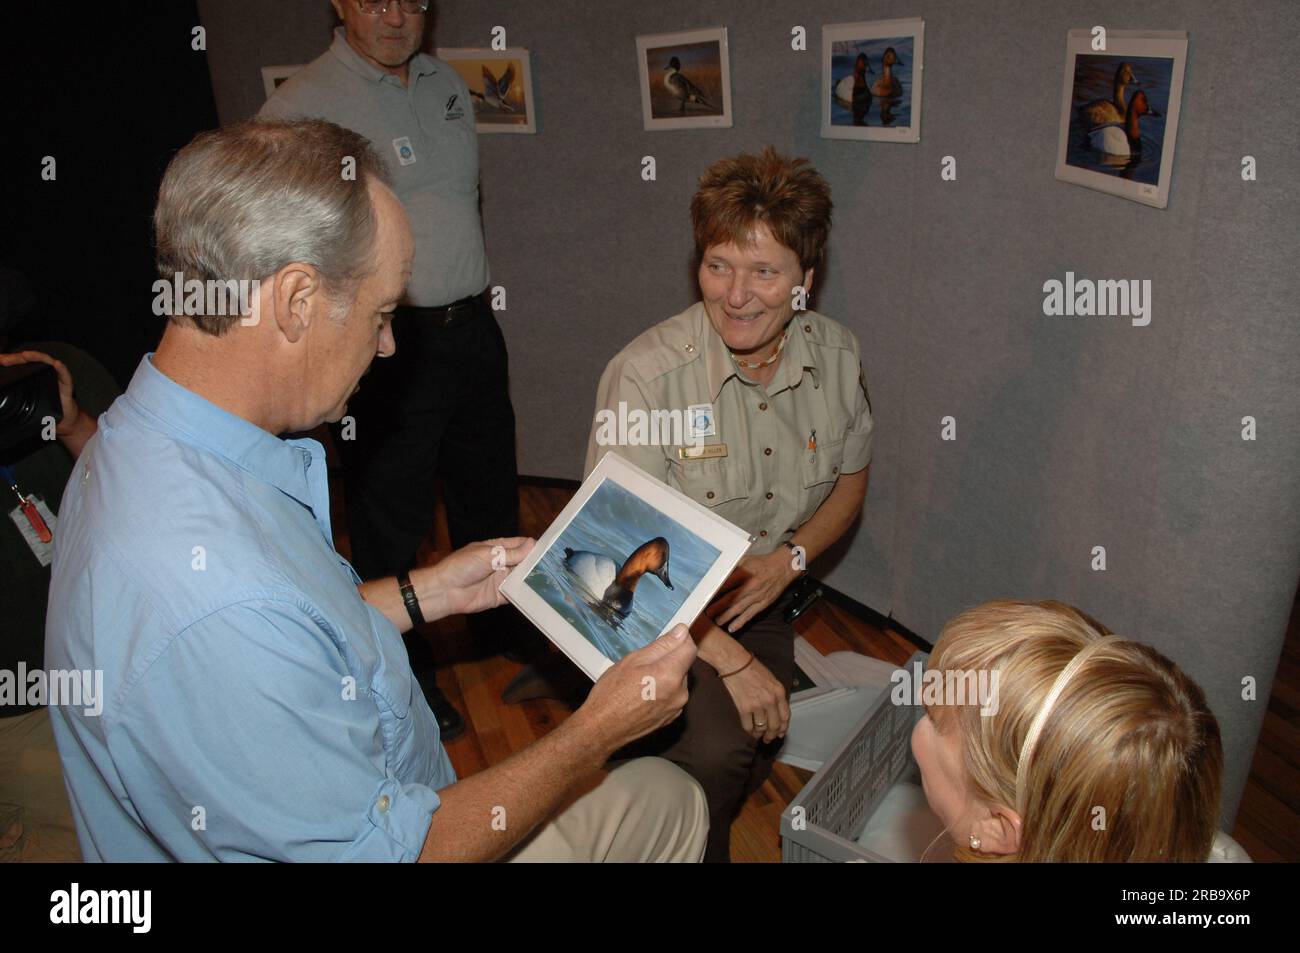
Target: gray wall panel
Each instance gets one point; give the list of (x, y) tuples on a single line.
[(1072, 432)]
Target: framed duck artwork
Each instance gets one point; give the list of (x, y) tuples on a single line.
[(871, 80), (685, 79), (274, 76), (624, 562), (1119, 112), (500, 87)]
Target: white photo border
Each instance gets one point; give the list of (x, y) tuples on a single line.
[(652, 41), (731, 542), (1161, 43), (871, 30)]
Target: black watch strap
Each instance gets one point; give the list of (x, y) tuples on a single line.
[(408, 597)]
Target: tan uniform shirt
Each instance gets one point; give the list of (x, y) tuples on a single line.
[(785, 444)]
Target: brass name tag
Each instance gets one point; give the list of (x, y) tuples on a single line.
[(706, 452)]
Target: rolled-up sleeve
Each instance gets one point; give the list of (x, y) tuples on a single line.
[(858, 439), (255, 735)]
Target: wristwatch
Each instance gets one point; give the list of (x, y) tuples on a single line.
[(408, 597)]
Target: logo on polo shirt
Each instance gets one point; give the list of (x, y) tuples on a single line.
[(405, 154), (453, 111)]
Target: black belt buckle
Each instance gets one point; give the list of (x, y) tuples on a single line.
[(465, 306)]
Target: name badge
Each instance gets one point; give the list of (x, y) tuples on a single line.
[(702, 453), (405, 154), (40, 543), (700, 421)]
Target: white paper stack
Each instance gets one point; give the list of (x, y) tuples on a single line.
[(847, 685)]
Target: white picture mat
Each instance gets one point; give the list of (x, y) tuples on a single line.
[(654, 41), (730, 541), (873, 30), (449, 54), (1172, 44)]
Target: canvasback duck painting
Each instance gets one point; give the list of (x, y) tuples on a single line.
[(888, 86), (681, 88), (615, 585), (1123, 139), (852, 90), (1102, 111)]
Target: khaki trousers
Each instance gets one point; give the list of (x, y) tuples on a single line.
[(644, 810), (35, 817)]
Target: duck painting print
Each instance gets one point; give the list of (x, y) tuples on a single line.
[(685, 79), (872, 80), (626, 560), (500, 86), (1120, 112)]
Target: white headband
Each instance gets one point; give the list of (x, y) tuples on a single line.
[(1036, 728)]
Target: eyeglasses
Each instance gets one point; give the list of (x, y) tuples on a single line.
[(377, 8)]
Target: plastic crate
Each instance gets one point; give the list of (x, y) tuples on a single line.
[(834, 807)]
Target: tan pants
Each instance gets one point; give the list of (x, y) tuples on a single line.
[(645, 810), (35, 818)]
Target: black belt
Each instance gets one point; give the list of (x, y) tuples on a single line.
[(448, 314)]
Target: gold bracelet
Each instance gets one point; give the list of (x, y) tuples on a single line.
[(741, 669)]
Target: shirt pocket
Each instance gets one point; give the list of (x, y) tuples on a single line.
[(820, 470), (711, 482)]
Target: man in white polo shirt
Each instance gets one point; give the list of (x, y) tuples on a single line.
[(442, 406)]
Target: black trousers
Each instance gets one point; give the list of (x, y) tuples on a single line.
[(707, 741), (439, 407)]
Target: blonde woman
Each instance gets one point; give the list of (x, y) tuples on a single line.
[(1098, 748)]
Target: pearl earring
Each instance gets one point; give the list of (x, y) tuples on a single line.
[(975, 842)]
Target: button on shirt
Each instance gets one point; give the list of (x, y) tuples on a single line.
[(424, 133), (254, 706), (786, 442)]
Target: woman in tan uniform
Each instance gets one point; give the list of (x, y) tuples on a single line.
[(777, 440)]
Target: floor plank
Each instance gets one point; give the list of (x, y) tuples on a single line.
[(1268, 824)]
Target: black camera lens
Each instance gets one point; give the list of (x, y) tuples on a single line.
[(29, 394)]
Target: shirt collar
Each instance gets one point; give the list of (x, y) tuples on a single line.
[(285, 464), (720, 366), (420, 65)]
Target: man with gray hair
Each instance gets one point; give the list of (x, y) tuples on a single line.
[(258, 703)]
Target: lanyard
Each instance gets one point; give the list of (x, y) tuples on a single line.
[(34, 518)]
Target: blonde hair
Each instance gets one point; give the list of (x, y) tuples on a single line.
[(1129, 734)]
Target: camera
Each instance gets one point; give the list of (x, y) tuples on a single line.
[(29, 393)]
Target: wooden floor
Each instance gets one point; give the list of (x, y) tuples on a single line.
[(1268, 824)]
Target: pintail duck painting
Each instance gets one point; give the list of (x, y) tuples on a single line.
[(681, 88)]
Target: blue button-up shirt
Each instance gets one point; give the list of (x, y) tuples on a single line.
[(254, 706)]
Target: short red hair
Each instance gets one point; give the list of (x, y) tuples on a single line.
[(787, 195)]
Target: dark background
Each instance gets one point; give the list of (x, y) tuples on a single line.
[(112, 93)]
